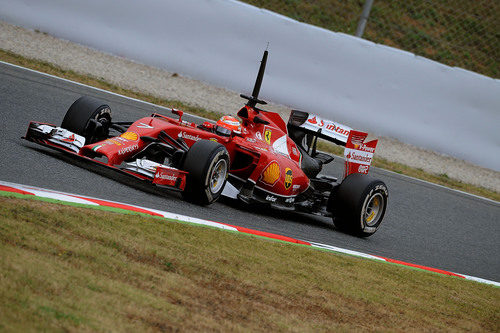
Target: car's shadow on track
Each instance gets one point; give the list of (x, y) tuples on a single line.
[(289, 216)]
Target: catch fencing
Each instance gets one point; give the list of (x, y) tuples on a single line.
[(460, 33)]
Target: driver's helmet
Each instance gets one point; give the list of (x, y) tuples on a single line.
[(226, 125)]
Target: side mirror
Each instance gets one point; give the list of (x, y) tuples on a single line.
[(178, 112)]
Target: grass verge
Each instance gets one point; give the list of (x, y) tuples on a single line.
[(73, 268), (46, 67)]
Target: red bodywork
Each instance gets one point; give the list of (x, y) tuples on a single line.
[(257, 154)]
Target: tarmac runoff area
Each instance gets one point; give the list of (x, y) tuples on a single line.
[(12, 189), (150, 80)]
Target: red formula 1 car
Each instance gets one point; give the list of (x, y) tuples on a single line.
[(260, 160)]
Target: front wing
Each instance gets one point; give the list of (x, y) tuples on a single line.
[(70, 143)]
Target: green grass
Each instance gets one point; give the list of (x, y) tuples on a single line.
[(70, 268), (459, 33), (100, 83)]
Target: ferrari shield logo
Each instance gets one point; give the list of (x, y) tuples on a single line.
[(267, 136), (288, 178)]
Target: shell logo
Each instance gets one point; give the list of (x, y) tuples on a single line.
[(132, 136), (288, 178), (271, 173)]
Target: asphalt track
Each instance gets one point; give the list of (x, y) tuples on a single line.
[(425, 224)]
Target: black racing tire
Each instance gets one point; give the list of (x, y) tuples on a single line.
[(208, 165), (88, 117), (359, 204)]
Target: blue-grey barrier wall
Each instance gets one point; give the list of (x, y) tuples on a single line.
[(341, 77)]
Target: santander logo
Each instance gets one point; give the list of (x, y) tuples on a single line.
[(187, 136), (70, 139), (166, 176), (315, 122), (359, 158)]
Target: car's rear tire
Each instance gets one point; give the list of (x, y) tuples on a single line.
[(208, 165), (88, 117), (359, 204)]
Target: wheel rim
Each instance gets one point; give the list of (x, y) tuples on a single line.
[(374, 209), (218, 176)]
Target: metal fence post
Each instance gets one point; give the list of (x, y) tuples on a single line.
[(364, 17)]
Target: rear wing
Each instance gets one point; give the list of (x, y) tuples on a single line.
[(317, 126), (358, 153)]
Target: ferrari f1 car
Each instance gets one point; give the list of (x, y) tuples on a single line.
[(260, 160)]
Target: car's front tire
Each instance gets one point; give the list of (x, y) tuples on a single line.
[(359, 204), (88, 117), (208, 165)]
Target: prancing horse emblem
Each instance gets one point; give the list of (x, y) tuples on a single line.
[(267, 136), (288, 178)]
